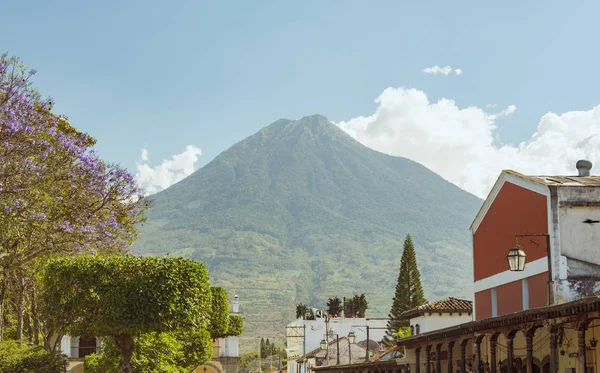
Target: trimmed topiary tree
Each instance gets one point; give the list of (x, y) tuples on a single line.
[(236, 326), (219, 316), (123, 296)]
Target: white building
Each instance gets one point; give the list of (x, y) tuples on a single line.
[(438, 315), (304, 336), (79, 347), (340, 351)]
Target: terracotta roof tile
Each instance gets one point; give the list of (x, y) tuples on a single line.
[(447, 305)]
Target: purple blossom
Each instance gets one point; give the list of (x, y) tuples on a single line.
[(51, 164), (66, 227)]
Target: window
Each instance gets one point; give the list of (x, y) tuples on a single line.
[(417, 329)]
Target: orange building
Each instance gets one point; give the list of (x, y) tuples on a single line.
[(555, 220)]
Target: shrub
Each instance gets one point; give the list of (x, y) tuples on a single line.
[(18, 357)]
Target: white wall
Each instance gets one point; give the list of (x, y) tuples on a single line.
[(229, 347), (65, 345), (579, 240), (428, 323), (577, 268)]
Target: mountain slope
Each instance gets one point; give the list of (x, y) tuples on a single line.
[(300, 211)]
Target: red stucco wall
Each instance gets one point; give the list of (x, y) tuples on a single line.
[(483, 304), (509, 297), (515, 210), (538, 290)]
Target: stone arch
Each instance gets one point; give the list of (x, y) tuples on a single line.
[(77, 368), (209, 367)]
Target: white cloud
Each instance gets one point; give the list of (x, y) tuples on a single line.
[(168, 172), (508, 111), (446, 70), (144, 154), (458, 143), (491, 105)]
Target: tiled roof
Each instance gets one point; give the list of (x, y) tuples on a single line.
[(587, 181), (448, 305)]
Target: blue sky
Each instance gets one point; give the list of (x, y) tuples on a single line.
[(163, 75)]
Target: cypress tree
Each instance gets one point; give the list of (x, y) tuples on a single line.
[(409, 291), (262, 348)]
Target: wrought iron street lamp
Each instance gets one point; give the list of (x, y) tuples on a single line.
[(516, 259)]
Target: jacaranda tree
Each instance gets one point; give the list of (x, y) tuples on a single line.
[(123, 296), (57, 197)]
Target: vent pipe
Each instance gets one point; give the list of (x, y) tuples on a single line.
[(584, 167)]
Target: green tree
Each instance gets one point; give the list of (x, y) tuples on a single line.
[(403, 332), (123, 296), (154, 353), (235, 327), (302, 310), (334, 307), (57, 196), (409, 291), (361, 304), (219, 313), (267, 347), (263, 353)]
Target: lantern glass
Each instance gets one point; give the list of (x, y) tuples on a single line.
[(323, 344), (516, 259)]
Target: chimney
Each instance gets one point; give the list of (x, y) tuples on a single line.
[(584, 167)]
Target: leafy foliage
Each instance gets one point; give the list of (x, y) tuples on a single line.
[(403, 332), (219, 315), (236, 326), (409, 292), (300, 211), (154, 353), (302, 310), (356, 306), (123, 296), (334, 307), (18, 357), (111, 295), (57, 197)]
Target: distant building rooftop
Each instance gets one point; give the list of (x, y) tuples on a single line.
[(447, 305), (585, 181)]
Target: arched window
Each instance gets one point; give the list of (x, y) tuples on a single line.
[(412, 330), (417, 329)]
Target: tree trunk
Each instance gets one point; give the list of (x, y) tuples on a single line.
[(20, 304), (35, 317), (27, 325), (3, 289), (125, 343)]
